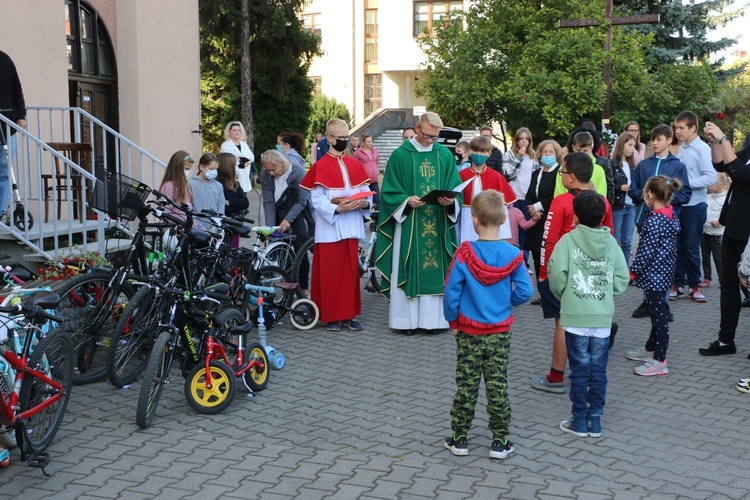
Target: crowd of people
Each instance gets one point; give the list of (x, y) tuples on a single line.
[(460, 259), (459, 237)]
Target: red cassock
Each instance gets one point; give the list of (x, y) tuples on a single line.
[(490, 179), (335, 285), (326, 172)]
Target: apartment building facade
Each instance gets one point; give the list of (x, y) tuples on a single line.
[(371, 58)]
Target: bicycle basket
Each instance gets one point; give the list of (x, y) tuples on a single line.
[(118, 195)]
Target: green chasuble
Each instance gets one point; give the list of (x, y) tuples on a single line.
[(428, 236)]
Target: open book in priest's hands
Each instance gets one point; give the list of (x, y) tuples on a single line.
[(431, 198)]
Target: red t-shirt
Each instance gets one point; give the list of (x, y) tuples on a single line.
[(559, 222)]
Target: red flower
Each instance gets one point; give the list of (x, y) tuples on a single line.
[(721, 115)]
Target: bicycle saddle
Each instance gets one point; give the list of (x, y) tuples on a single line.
[(200, 239), (21, 273), (45, 300), (241, 328)]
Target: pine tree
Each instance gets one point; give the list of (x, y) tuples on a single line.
[(682, 33)]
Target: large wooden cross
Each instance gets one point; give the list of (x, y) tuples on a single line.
[(611, 21)]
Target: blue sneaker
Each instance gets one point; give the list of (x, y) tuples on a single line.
[(594, 424), (576, 426), (542, 384)]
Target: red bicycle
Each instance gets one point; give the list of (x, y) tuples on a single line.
[(35, 384), (210, 385)]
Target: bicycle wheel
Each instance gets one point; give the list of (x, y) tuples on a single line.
[(153, 381), (302, 267), (215, 399), (373, 284), (256, 378), (231, 341), (53, 356), (279, 253), (7, 437), (239, 270), (133, 337), (305, 314), (91, 310), (270, 276)]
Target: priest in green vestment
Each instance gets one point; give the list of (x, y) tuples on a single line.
[(416, 240)]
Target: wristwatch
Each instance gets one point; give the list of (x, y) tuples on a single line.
[(725, 138)]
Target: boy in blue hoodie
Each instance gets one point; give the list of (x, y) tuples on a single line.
[(586, 270), (662, 162), (485, 279)]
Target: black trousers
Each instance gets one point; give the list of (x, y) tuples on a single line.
[(731, 253)]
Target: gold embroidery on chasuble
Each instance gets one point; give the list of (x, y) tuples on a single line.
[(427, 172), (430, 259)]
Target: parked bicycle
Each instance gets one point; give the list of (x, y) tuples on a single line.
[(210, 385), (197, 263), (366, 252), (94, 301), (36, 383), (11, 293)]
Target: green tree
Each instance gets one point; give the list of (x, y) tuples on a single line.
[(522, 70), (323, 109), (730, 108), (682, 32), (279, 55)]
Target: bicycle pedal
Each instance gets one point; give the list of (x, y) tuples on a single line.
[(39, 459)]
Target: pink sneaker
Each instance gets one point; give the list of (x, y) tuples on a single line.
[(704, 284), (651, 368)]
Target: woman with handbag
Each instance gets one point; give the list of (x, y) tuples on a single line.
[(285, 203)]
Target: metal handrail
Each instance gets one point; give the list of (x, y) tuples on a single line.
[(111, 151), (133, 162), (30, 236)]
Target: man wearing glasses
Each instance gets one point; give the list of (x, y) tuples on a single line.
[(416, 240)]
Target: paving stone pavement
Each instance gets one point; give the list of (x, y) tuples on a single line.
[(364, 415)]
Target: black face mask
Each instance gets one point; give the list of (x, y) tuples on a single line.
[(340, 145)]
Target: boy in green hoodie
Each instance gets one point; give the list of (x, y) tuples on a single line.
[(586, 270)]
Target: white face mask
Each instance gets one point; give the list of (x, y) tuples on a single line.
[(187, 174), (211, 174)]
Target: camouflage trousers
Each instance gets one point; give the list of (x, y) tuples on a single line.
[(478, 355)]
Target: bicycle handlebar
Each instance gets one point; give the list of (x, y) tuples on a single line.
[(218, 297), (259, 288), (31, 312), (198, 295)]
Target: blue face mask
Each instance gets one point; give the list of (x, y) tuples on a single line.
[(278, 148), (548, 161), (211, 174), (478, 159)]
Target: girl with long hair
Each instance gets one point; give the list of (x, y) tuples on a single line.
[(623, 209), (235, 199)]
